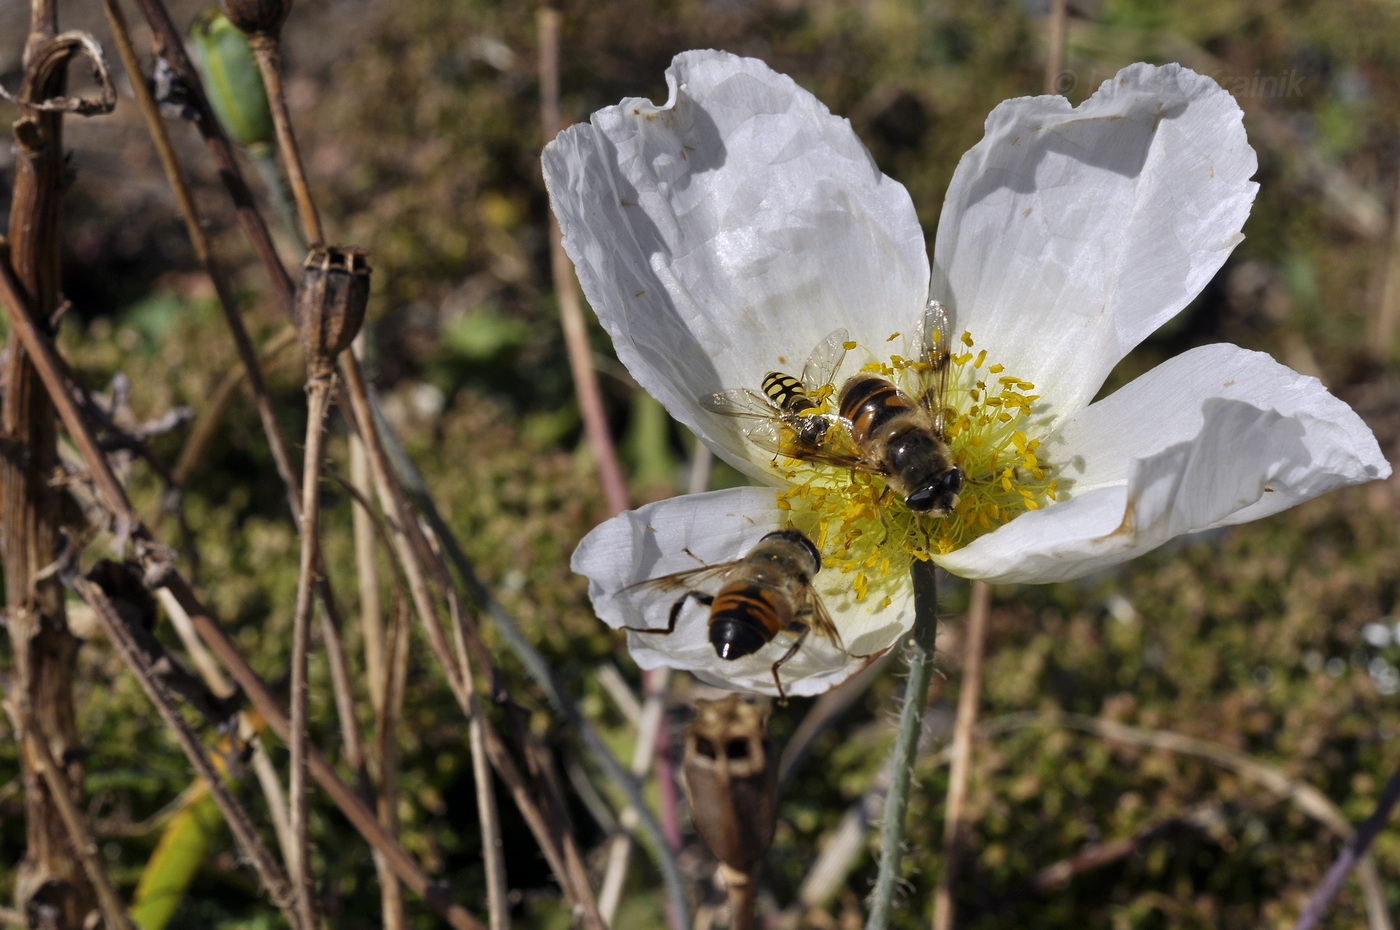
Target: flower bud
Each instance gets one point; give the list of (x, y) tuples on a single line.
[(731, 780), (253, 16), (231, 79), (330, 303)]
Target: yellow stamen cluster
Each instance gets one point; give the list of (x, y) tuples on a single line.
[(866, 531)]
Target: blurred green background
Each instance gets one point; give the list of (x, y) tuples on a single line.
[(421, 131)]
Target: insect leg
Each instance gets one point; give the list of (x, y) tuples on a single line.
[(880, 509), (705, 600), (792, 651)]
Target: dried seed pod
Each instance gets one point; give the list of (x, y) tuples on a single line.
[(330, 304), (253, 16), (731, 780)]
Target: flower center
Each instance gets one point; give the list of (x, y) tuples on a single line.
[(865, 530)]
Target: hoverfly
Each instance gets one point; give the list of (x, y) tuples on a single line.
[(789, 403), (877, 428), (754, 598)]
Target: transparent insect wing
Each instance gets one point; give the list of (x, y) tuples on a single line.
[(819, 372), (706, 579), (740, 402), (820, 621), (932, 357)]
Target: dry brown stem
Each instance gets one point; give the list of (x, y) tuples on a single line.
[(318, 391), (955, 826), (590, 398), (160, 572), (273, 881), (41, 687), (266, 51)]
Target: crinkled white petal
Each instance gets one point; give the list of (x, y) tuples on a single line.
[(1069, 234), (724, 234), (1216, 436), (690, 532)]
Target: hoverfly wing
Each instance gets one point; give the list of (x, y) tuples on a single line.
[(934, 362), (690, 578), (740, 402), (819, 619), (835, 447), (819, 374)]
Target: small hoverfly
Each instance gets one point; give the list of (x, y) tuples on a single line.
[(789, 403), (877, 427), (752, 599)]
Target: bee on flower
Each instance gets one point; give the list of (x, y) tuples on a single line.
[(726, 235)]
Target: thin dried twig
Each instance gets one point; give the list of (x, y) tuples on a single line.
[(848, 844), (113, 911), (955, 826), (210, 417), (267, 53), (1384, 319), (552, 801), (385, 668), (1308, 799), (35, 616), (539, 670), (1353, 853), (386, 725), (497, 893), (274, 882), (160, 572), (318, 392), (1055, 34), (169, 45), (590, 398), (367, 571), (824, 714), (620, 846), (410, 548)]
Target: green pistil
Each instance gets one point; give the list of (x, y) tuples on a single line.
[(869, 533)]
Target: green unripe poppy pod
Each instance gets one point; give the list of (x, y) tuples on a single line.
[(231, 79)]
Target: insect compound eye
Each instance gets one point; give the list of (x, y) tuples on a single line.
[(922, 500), (953, 481)]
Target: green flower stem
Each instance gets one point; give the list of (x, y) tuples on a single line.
[(906, 742)]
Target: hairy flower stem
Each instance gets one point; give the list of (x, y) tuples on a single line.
[(921, 649)]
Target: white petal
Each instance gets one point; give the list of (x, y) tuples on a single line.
[(724, 234), (1070, 234), (689, 532), (1216, 436)]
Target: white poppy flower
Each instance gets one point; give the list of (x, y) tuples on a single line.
[(726, 233)]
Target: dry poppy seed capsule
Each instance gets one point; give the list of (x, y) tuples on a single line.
[(330, 303), (731, 780), (257, 15)]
